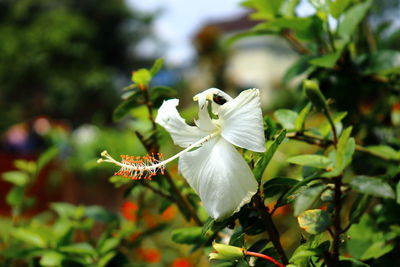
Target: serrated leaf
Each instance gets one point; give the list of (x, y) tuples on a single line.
[(306, 198), (315, 161), (372, 186), (188, 235), (16, 177), (352, 17), (314, 221), (262, 164), (286, 117)]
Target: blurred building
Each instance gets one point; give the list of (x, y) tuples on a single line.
[(256, 61)]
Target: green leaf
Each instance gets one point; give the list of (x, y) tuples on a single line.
[(307, 198), (108, 244), (315, 161), (322, 7), (358, 207), (237, 238), (46, 157), (325, 127), (30, 236), (314, 221), (277, 186), (156, 66), (79, 248), (51, 259), (104, 260), (382, 62), (313, 93), (327, 60), (353, 262), (305, 28), (383, 151), (188, 235), (337, 7), (301, 66), (24, 165), (300, 120), (286, 117), (372, 186), (142, 77), (125, 107), (272, 146), (264, 9), (15, 197), (160, 93), (398, 192), (288, 8), (352, 18), (16, 177)]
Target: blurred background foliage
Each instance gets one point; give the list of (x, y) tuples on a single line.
[(66, 94)]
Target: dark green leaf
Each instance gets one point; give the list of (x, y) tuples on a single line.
[(46, 157), (237, 238), (278, 186), (372, 186), (125, 107), (326, 61), (352, 18), (188, 235), (314, 221), (160, 93), (286, 117), (313, 93), (307, 198), (354, 262), (100, 214), (272, 146), (301, 66), (271, 128), (382, 62), (16, 177), (156, 66), (316, 161), (358, 207)]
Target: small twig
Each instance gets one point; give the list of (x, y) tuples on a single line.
[(296, 44), (157, 191), (260, 255), (270, 227)]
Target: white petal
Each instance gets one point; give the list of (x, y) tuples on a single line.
[(204, 122), (241, 121), (182, 134), (220, 176)]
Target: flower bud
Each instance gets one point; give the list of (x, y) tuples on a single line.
[(226, 252)]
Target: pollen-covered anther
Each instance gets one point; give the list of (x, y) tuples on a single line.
[(135, 167)]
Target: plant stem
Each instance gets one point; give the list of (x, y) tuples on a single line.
[(296, 44), (259, 255), (337, 229), (270, 227)]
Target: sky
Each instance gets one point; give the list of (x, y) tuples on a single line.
[(179, 20)]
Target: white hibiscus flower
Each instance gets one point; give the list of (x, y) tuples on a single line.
[(210, 163)]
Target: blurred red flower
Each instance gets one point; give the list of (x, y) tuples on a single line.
[(181, 262), (129, 210), (150, 255)]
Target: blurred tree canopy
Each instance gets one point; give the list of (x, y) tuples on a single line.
[(62, 58)]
